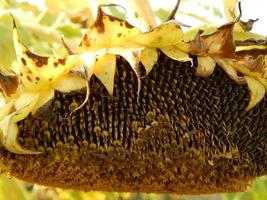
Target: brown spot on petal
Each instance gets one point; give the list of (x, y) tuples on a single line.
[(85, 41), (23, 61), (99, 25), (60, 61), (119, 35), (29, 78), (39, 60)]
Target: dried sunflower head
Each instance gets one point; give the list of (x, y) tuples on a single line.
[(41, 84)]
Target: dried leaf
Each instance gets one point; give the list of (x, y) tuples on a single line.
[(105, 71), (257, 91), (206, 66)]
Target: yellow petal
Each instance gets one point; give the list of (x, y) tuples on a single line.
[(206, 66), (241, 36), (149, 57), (143, 13), (176, 54), (257, 91), (105, 71), (70, 83), (162, 36), (24, 105), (7, 109), (8, 135), (230, 9)]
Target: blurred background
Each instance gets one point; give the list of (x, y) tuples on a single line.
[(42, 23)]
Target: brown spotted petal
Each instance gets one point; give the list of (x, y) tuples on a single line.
[(39, 72), (219, 44), (106, 32)]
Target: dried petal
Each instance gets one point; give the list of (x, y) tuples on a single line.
[(219, 43)]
